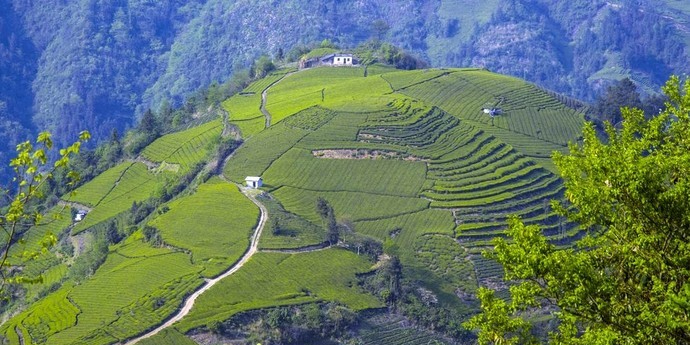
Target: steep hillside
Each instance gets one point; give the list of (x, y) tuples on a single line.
[(409, 162), (97, 65)]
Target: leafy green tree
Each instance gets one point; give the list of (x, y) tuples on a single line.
[(626, 282), (379, 29), (263, 67), (322, 207), (332, 231), (326, 43), (621, 94), (149, 123), (325, 210), (32, 170)]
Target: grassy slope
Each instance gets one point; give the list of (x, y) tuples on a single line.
[(114, 191), (526, 109), (135, 184), (292, 230), (470, 167), (467, 165), (352, 206), (299, 168), (343, 89), (186, 148), (101, 299), (136, 287), (167, 337), (271, 279), (200, 223)]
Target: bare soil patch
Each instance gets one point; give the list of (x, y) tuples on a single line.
[(363, 154)]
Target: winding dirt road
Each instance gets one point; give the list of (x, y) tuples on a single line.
[(189, 303)]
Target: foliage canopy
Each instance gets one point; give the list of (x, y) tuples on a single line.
[(627, 281), (32, 170)]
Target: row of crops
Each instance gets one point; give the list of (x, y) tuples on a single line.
[(186, 148), (139, 284), (340, 89), (394, 331), (136, 287), (526, 109), (116, 190), (472, 177), (244, 108), (432, 177), (199, 223), (287, 230), (274, 279), (481, 179)]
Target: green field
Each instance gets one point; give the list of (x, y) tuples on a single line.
[(152, 273), (292, 230), (255, 156), (200, 223), (43, 319), (135, 183), (53, 222), (353, 206), (186, 148), (526, 109), (250, 127), (405, 157), (243, 106), (299, 168), (136, 288), (272, 279), (92, 193), (167, 337), (335, 88)]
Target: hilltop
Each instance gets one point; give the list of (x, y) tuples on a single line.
[(381, 188), (129, 56)]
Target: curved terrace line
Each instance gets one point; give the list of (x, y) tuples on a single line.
[(189, 302)]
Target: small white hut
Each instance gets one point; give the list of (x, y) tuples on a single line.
[(338, 60), (254, 181), (79, 216)]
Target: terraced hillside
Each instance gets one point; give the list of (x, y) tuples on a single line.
[(139, 283), (407, 158), (420, 163)]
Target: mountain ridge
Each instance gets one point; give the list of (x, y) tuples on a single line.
[(98, 70)]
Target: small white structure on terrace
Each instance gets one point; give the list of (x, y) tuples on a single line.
[(492, 111), (338, 60), (79, 216), (254, 181)]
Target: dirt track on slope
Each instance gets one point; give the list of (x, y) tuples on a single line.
[(264, 94), (189, 302)]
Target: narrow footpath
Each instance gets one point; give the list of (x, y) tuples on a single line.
[(253, 247), (189, 303), (264, 94), (263, 106)]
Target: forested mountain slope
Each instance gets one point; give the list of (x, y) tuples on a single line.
[(93, 64)]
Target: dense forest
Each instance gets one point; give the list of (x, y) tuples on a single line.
[(93, 64)]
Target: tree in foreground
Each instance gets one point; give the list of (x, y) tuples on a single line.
[(32, 170), (626, 282)]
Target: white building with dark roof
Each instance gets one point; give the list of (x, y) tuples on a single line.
[(254, 181)]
